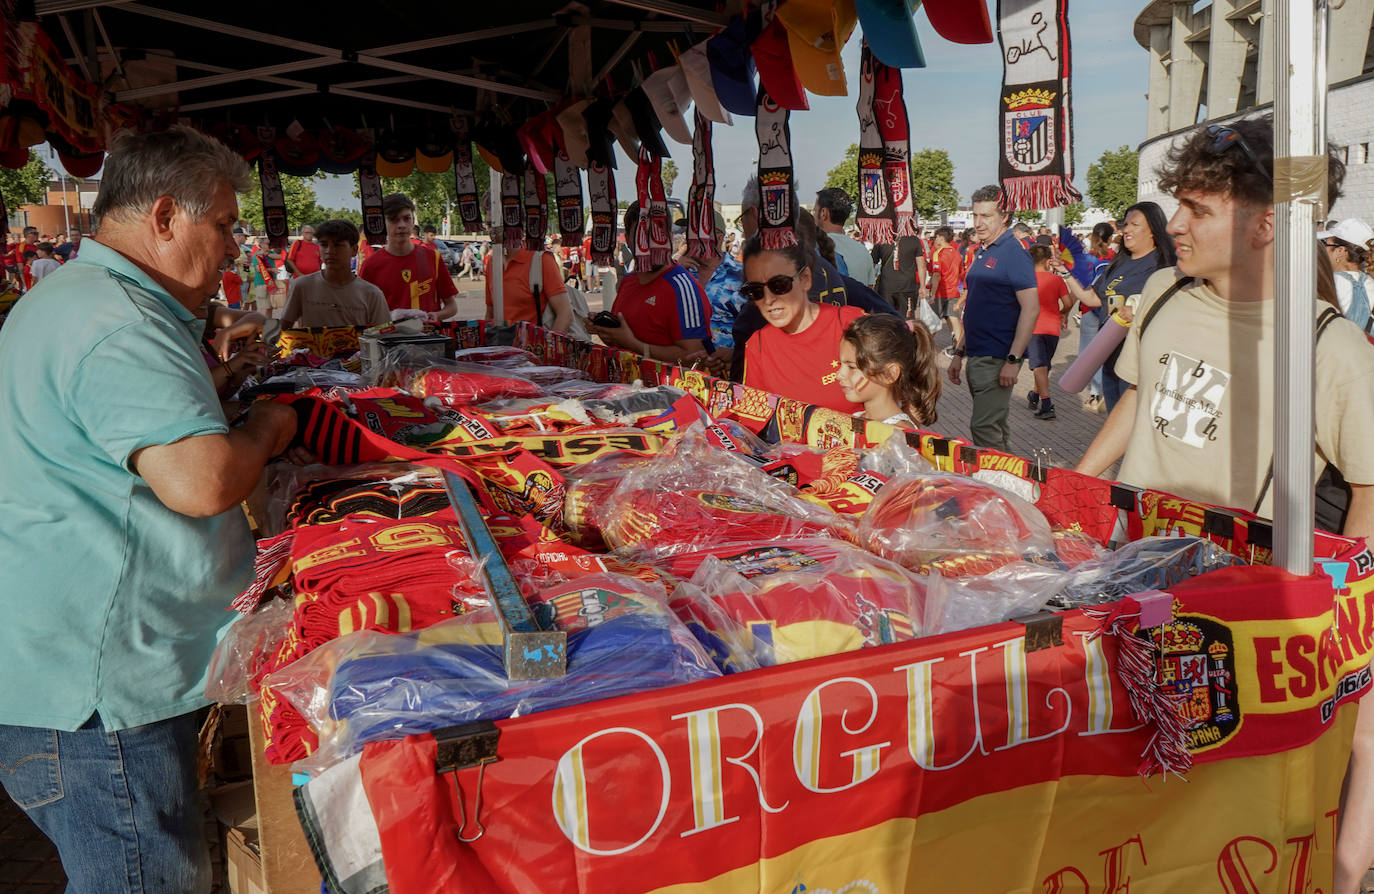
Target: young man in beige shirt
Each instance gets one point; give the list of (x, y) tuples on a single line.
[(334, 296), (1197, 419)]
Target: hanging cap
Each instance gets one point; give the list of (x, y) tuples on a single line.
[(574, 127), (696, 68), (299, 157), (732, 69), (891, 32), (1352, 231), (395, 155), (81, 165), (238, 137), (668, 91), (532, 143), (341, 149), (954, 20), (434, 152), (623, 126), (598, 117), (773, 58), (647, 126), (817, 32)]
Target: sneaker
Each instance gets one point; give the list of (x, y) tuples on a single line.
[(1033, 401), (949, 351), (1045, 413)]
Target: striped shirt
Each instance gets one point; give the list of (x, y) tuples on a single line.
[(668, 309)]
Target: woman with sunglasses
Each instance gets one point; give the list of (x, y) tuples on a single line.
[(795, 355), (1146, 247), (1347, 245)]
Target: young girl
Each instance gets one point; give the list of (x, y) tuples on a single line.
[(891, 370)]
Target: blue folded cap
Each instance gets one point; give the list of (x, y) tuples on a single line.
[(890, 30), (732, 69)]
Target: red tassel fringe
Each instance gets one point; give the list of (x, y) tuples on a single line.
[(273, 554), (906, 223), (1137, 663), (1046, 191), (777, 238), (878, 230)]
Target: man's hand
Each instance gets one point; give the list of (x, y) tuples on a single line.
[(953, 372), (247, 326), (1009, 374), (717, 363), (252, 356), (616, 336)]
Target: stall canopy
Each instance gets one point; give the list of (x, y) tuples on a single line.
[(83, 68)]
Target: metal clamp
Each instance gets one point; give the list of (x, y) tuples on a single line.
[(462, 747), (1044, 630)]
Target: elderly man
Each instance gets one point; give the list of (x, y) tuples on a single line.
[(116, 449), (303, 255)]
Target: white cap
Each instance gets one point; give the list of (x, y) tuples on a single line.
[(575, 137), (1351, 231), (668, 92), (697, 69), (623, 128)]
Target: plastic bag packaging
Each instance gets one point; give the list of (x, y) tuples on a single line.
[(1014, 590), (246, 646), (299, 379), (629, 407), (284, 495), (504, 356), (370, 686), (694, 494), (549, 375), (894, 458), (953, 524), (803, 599), (419, 372), (1151, 563), (587, 501)]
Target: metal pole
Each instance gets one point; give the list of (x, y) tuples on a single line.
[(1297, 145), (498, 256)]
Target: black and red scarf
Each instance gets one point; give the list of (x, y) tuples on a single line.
[(512, 222), (876, 216), (273, 199), (702, 238), (601, 190), (536, 209), (567, 190), (1036, 167), (889, 108), (464, 180), (777, 183), (653, 244)]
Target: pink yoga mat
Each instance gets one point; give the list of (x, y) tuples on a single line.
[(1090, 360)]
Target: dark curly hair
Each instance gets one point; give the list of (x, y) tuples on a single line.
[(1195, 165), (883, 339)]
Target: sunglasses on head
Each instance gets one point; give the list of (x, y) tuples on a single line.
[(1223, 138), (779, 285)]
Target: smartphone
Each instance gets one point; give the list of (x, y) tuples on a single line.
[(605, 319)]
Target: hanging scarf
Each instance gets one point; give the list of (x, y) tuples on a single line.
[(370, 190), (601, 189), (273, 199), (513, 230), (889, 108), (653, 245), (877, 219), (1036, 168), (702, 238), (567, 183), (536, 209), (464, 180), (777, 185)]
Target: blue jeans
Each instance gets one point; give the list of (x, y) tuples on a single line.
[(1088, 327), (122, 807)]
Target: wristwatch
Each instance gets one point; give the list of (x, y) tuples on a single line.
[(1012, 358), (958, 352)]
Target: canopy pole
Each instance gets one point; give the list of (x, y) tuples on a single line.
[(498, 253), (1299, 96)]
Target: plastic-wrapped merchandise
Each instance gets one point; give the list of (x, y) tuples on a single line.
[(290, 494), (1152, 563), (953, 524), (452, 381), (548, 375), (247, 645), (801, 599), (587, 503), (635, 404), (1014, 590), (504, 356), (371, 686), (894, 458), (694, 494)]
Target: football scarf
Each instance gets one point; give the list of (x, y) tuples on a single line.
[(601, 188), (653, 247), (273, 199), (513, 230), (536, 209), (567, 180), (702, 238), (777, 185), (889, 108), (876, 217), (1036, 168), (370, 189), (465, 181)]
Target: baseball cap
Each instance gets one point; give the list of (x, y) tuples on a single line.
[(598, 117), (535, 145), (668, 92), (1351, 231), (732, 69), (773, 58), (341, 149), (623, 127), (434, 152), (891, 31), (647, 126), (575, 137), (395, 155), (696, 68), (954, 20), (299, 156), (817, 31)]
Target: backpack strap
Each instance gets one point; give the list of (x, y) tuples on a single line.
[(1170, 292), (537, 286), (1324, 319)]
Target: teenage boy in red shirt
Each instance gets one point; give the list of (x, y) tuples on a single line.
[(1055, 301), (410, 275), (946, 273)]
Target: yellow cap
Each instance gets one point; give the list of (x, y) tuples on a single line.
[(817, 31)]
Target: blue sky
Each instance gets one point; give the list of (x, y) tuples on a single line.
[(952, 105)]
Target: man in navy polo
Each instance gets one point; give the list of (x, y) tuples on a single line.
[(999, 316)]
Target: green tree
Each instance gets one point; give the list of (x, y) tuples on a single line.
[(932, 183), (845, 175), (301, 207), (1112, 180), (1073, 214), (1029, 215), (352, 215), (669, 175), (435, 195), (25, 186)]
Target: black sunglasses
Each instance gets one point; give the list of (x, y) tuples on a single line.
[(779, 285), (1223, 138), (1332, 245)]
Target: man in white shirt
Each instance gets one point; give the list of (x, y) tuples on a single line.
[(833, 207)]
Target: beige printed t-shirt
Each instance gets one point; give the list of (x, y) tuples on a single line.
[(316, 302), (1204, 419)]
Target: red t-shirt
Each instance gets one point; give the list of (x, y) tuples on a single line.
[(1052, 291), (950, 270), (305, 255), (418, 281), (803, 365), (668, 309)]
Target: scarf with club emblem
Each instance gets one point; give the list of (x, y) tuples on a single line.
[(777, 184), (567, 189), (889, 109), (653, 244), (1036, 167), (536, 209), (512, 223), (876, 218), (464, 180), (273, 199), (601, 189), (702, 238)]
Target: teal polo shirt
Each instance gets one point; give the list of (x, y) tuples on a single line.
[(111, 601)]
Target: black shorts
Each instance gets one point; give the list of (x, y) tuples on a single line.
[(1041, 350)]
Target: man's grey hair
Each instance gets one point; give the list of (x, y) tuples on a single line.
[(1021, 228), (179, 162), (989, 193)]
